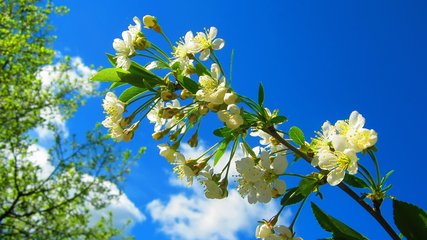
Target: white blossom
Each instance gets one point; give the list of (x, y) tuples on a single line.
[(231, 117), (359, 138), (212, 188), (155, 116), (124, 50), (113, 106), (259, 177), (213, 87), (182, 169), (167, 152), (205, 42)]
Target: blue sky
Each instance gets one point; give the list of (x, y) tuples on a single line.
[(317, 60)]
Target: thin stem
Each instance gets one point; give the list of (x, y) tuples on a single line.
[(377, 168), (297, 214), (159, 50), (217, 61), (375, 214), (167, 39), (293, 175)]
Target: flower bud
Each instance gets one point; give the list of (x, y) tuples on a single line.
[(174, 136), (185, 94), (214, 107), (159, 135), (203, 109), (168, 95), (141, 42), (124, 122), (193, 118), (129, 132), (193, 141), (168, 112), (151, 22), (230, 98)]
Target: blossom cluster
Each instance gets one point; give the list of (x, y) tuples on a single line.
[(336, 146), (177, 101)]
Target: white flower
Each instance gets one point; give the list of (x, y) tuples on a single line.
[(113, 106), (230, 98), (213, 87), (359, 138), (185, 47), (167, 152), (280, 232), (114, 128), (231, 117), (268, 141), (337, 163), (212, 188), (182, 169), (264, 230), (259, 180), (134, 30), (205, 42), (154, 116), (124, 50)]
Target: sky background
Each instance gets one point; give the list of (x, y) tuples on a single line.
[(317, 60)]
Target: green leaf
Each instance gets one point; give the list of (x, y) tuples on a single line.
[(248, 148), (118, 75), (278, 119), (223, 132), (140, 71), (202, 70), (131, 93), (355, 181), (307, 185), (297, 135), (291, 196), (386, 177), (261, 95), (336, 227), (188, 84), (410, 219), (116, 84), (112, 59), (221, 150), (109, 75)]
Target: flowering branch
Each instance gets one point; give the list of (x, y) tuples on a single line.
[(187, 90), (376, 214)]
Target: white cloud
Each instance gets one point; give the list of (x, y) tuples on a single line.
[(122, 208), (78, 76), (194, 217)]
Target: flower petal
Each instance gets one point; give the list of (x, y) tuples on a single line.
[(218, 44)]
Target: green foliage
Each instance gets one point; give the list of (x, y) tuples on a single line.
[(188, 83), (410, 219), (221, 150), (338, 229), (355, 181), (292, 196), (307, 185), (297, 135), (261, 95), (131, 93), (38, 203)]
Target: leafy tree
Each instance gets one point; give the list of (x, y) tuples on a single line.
[(36, 202)]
